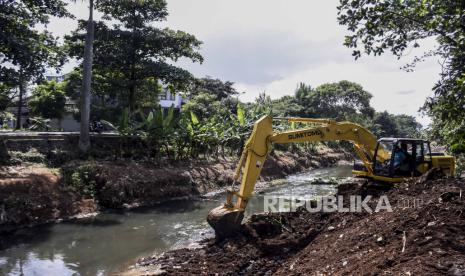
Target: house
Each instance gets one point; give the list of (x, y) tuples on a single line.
[(168, 99), (68, 122), (55, 78)]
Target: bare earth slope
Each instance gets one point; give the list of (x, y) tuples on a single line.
[(34, 194), (424, 235)]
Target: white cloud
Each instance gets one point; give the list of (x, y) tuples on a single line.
[(384, 86), (272, 45)]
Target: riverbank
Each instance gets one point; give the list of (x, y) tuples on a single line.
[(422, 236), (33, 194)]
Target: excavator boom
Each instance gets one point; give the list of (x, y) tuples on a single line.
[(227, 218)]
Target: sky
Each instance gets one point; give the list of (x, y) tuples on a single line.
[(272, 45)]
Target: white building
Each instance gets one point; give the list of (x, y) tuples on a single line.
[(56, 78), (168, 99)]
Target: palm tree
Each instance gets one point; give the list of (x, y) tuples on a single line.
[(84, 139)]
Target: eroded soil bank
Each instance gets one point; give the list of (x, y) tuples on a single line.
[(424, 235), (33, 194)]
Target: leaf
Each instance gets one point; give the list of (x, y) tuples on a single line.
[(107, 123), (158, 117), (150, 117), (194, 118), (240, 115), (169, 118), (124, 120), (191, 129)]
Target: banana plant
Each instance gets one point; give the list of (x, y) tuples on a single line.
[(159, 127)]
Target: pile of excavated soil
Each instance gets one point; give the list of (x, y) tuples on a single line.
[(423, 235)]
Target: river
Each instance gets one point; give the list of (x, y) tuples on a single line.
[(108, 241)]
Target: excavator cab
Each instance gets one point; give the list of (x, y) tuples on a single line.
[(408, 157), (396, 159)]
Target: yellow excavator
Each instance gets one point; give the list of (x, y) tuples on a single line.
[(378, 160)]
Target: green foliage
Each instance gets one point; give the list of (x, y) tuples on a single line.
[(385, 124), (302, 92), (216, 87), (263, 104), (24, 51), (398, 26), (204, 105), (339, 100), (7, 93), (48, 100), (5, 117), (240, 115), (208, 127), (31, 156), (194, 118), (345, 101), (81, 178), (288, 106), (123, 126), (460, 165), (342, 101), (40, 124), (140, 54)]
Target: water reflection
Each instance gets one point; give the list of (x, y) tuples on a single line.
[(95, 246)]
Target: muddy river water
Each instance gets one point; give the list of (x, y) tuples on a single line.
[(104, 243)]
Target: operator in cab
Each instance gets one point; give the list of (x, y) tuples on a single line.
[(402, 158)]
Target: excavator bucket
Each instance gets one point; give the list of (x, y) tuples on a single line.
[(225, 221)]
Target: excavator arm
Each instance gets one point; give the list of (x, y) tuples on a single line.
[(226, 219)]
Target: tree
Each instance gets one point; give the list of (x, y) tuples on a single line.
[(342, 100), (84, 139), (25, 52), (287, 106), (131, 53), (302, 92), (214, 86), (8, 92), (408, 126), (398, 26), (205, 105), (48, 100), (385, 124)]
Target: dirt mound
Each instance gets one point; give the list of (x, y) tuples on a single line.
[(33, 195), (263, 245), (424, 235)]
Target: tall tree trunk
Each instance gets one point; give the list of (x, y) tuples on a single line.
[(20, 100), (132, 84), (132, 100), (84, 139)]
